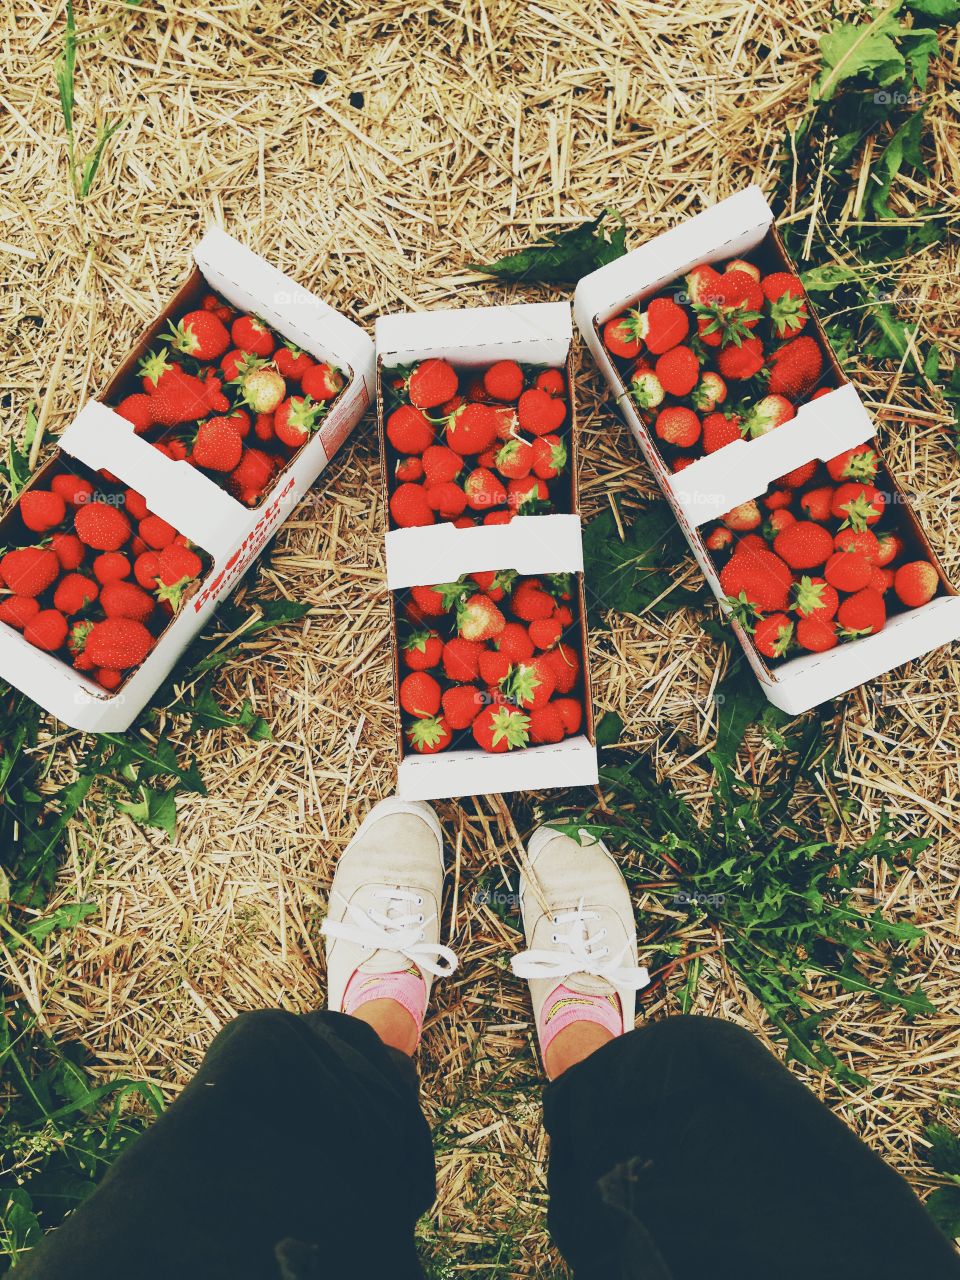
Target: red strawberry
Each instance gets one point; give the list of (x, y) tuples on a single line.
[(915, 583), (441, 464), (847, 571), (236, 363), (17, 611), (420, 694), (501, 728), (76, 643), (135, 504), (408, 430), (863, 613), (546, 724), (815, 598), (857, 504), (880, 579), (431, 383), (552, 381), (545, 632), (795, 368), (219, 445), (719, 430), (74, 592), (497, 517), (775, 499), (462, 705), (126, 600), (744, 517), (111, 566), (549, 456), (479, 619), (817, 503), (678, 370), (817, 634), (803, 544), (108, 679), (514, 641), (771, 412), (291, 362), (250, 478), (739, 362), (788, 303), (779, 519), (719, 538), (145, 569), (508, 424), (74, 490), (773, 634), (564, 664), (797, 478), (118, 643), (678, 426), (472, 428), (295, 419), (249, 333), (539, 413), (200, 335), (663, 325), (729, 309), (524, 495), (757, 578), (41, 509), (710, 391), (447, 500), (263, 427), (494, 666), (571, 714), (322, 382), (156, 533), (700, 283), (476, 393), (68, 549), (177, 569), (890, 548), (461, 659), (102, 526), (514, 458), (622, 335), (859, 463), (433, 602), (504, 380), (422, 650), (751, 541), (410, 507), (495, 584), (530, 602), (46, 630), (429, 735), (861, 540), (28, 571), (139, 410), (483, 490)]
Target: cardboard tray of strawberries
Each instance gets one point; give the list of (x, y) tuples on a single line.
[(484, 550), (144, 519), (766, 454)]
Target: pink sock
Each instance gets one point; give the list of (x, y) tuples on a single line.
[(407, 988), (563, 1007)]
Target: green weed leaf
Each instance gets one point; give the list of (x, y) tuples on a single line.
[(565, 255)]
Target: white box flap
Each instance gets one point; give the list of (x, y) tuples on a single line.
[(572, 763), (530, 332)]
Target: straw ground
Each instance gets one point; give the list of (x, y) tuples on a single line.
[(373, 151)]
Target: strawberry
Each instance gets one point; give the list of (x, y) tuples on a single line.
[(646, 389), (408, 470), (501, 728), (700, 282), (68, 549), (322, 382), (76, 642), (514, 458), (817, 503), (847, 571), (880, 579), (787, 303), (263, 427), (504, 380), (108, 679), (815, 598), (719, 430), (817, 634), (564, 664), (138, 409), (200, 335), (752, 541), (447, 500), (118, 643), (497, 517), (429, 735), (475, 392), (111, 566), (479, 619), (101, 526), (422, 650), (859, 463), (744, 517), (461, 705), (524, 496), (739, 362), (549, 457), (797, 478), (773, 634), (461, 659), (571, 713), (771, 412), (710, 391), (156, 533), (41, 509), (494, 666), (28, 571), (741, 264), (177, 569), (433, 602), (545, 632), (803, 544), (410, 507), (729, 309), (295, 419), (135, 504), (890, 547), (663, 325), (179, 397), (236, 364), (779, 519), (546, 724), (530, 602), (863, 613), (291, 362), (483, 490), (678, 426), (720, 538), (540, 413), (514, 641), (74, 592), (915, 583), (857, 504), (46, 630), (420, 694), (126, 600), (74, 490), (495, 584), (441, 464), (250, 334), (254, 472), (145, 569), (408, 430), (795, 368), (622, 335), (552, 382), (508, 424), (263, 389), (431, 383), (775, 499), (758, 578), (218, 446), (472, 428), (17, 611), (678, 370), (861, 540)]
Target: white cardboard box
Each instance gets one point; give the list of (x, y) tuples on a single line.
[(713, 485), (232, 534), (535, 333)]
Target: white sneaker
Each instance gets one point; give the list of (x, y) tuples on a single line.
[(383, 914), (581, 936)]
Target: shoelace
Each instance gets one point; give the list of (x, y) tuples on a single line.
[(394, 929), (579, 952)]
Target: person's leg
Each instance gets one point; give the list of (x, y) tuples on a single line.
[(299, 1151)]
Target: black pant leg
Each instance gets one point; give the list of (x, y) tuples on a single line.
[(684, 1150), (299, 1152)]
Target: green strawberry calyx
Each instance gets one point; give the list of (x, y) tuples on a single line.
[(508, 724), (743, 610), (154, 365), (426, 732), (521, 683), (859, 511)]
